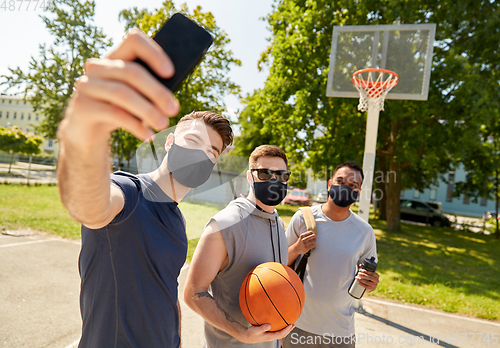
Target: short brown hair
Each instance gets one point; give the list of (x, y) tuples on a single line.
[(219, 123), (266, 150)]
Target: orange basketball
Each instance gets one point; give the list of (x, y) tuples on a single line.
[(272, 293)]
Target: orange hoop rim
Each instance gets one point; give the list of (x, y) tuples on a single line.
[(369, 84)]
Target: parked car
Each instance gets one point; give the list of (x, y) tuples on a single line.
[(322, 196), (426, 212), (436, 206), (298, 197)]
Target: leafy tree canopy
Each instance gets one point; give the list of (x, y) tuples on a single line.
[(417, 140), (13, 139)]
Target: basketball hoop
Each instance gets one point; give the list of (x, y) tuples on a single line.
[(374, 89), (379, 46)]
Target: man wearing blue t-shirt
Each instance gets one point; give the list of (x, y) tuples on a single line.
[(133, 233)]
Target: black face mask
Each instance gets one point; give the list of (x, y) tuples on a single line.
[(270, 192), (190, 167), (342, 195)]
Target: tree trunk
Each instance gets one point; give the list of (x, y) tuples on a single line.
[(393, 193), (29, 171), (380, 183), (11, 159), (393, 185)]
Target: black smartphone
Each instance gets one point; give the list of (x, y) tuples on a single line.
[(186, 43)]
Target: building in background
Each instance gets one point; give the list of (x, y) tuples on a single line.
[(14, 111), (443, 193)]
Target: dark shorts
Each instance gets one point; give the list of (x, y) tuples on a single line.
[(302, 339)]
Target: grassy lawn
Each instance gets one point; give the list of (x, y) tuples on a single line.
[(455, 271), (35, 207), (39, 208), (197, 216)]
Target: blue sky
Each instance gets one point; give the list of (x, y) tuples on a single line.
[(22, 31)]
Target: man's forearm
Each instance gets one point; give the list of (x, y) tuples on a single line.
[(83, 178), (292, 254), (205, 305)]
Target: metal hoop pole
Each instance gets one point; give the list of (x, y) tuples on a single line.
[(369, 158)]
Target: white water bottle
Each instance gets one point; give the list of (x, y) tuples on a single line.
[(356, 290)]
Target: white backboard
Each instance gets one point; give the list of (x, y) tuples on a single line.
[(405, 49)]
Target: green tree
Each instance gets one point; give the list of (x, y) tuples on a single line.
[(417, 140), (13, 139), (481, 159), (123, 146), (48, 82), (251, 121), (298, 178)]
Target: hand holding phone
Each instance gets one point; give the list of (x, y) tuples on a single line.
[(111, 94), (186, 43)]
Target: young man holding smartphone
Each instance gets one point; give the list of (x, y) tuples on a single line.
[(133, 234), (246, 233)]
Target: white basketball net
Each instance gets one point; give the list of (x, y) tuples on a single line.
[(375, 90)]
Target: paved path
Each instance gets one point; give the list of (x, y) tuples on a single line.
[(39, 289), (383, 323), (39, 173), (391, 324)]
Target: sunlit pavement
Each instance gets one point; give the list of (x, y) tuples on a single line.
[(39, 285)]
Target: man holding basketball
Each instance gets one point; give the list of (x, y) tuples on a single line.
[(133, 234), (344, 240), (246, 233)]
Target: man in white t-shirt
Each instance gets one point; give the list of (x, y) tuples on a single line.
[(343, 241)]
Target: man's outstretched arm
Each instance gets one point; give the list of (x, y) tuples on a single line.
[(115, 92)]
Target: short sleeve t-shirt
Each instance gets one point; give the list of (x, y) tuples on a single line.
[(331, 267), (129, 270)]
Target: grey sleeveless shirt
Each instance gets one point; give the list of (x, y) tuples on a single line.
[(252, 237)]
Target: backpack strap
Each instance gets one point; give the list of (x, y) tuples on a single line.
[(309, 219), (310, 226)]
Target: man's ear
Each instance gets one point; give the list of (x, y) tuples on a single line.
[(249, 177), (329, 183), (170, 141)]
